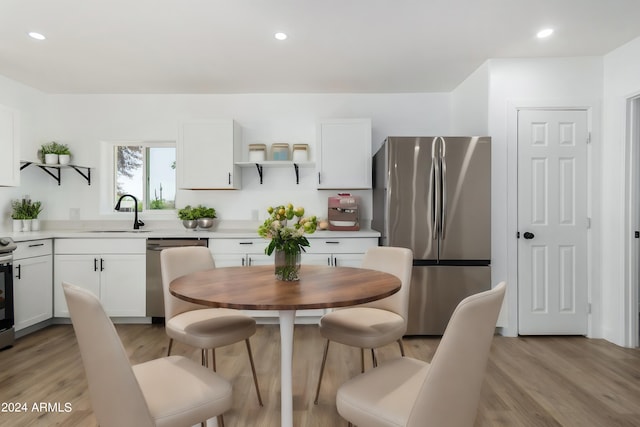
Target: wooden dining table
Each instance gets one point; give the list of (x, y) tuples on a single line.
[(256, 288)]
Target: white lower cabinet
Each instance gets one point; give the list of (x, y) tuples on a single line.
[(33, 293), (239, 252), (342, 252), (113, 269)]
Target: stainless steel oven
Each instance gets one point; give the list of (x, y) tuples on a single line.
[(7, 336)]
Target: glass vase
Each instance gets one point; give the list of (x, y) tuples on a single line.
[(287, 265)]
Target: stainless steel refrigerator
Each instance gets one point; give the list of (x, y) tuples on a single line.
[(433, 195)]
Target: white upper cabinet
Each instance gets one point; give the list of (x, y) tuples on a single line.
[(344, 154), (10, 147), (207, 152)]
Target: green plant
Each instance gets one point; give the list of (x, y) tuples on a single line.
[(200, 211), (20, 209), (53, 148), (35, 209), (204, 212), (186, 213), (25, 209)]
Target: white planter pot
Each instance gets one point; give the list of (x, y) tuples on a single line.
[(64, 159), (35, 224), (17, 225), (50, 159), (26, 225)]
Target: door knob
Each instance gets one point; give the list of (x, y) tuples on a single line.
[(528, 235)]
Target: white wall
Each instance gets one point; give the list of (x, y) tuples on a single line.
[(470, 104), (621, 81), (552, 82), (82, 121)]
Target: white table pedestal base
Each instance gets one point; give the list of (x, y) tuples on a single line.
[(287, 318)]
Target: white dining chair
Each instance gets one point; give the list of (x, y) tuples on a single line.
[(374, 324), (167, 392), (194, 324), (406, 392)]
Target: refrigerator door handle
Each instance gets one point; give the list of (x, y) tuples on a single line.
[(443, 189), (435, 177)]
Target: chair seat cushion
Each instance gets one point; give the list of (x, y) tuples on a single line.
[(362, 327), (382, 396), (180, 392), (210, 327)]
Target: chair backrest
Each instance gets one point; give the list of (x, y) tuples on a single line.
[(116, 397), (450, 394), (396, 261), (176, 262)]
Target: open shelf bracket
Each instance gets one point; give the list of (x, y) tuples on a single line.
[(54, 170), (259, 167)]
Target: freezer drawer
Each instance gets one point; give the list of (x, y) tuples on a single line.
[(437, 290)]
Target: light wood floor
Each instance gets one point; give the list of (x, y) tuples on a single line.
[(537, 381)]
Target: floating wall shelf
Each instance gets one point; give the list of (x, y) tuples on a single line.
[(276, 164), (54, 170)]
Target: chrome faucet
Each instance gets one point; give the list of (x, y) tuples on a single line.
[(136, 222)]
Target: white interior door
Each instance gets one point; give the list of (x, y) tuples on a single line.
[(552, 222)]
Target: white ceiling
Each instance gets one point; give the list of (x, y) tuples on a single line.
[(217, 46)]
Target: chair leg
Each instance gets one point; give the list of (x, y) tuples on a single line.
[(362, 360), (401, 347), (324, 360), (373, 358), (170, 345), (204, 358), (253, 370)]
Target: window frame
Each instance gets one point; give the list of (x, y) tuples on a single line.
[(109, 177)]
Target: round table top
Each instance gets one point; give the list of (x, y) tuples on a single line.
[(256, 288)]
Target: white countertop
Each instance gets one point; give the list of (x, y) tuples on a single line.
[(223, 233)]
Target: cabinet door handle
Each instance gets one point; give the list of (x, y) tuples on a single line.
[(229, 178), (250, 262), (246, 243), (19, 268), (36, 244), (101, 264), (331, 242), (329, 261), (319, 182), (95, 264), (335, 261), (243, 262)]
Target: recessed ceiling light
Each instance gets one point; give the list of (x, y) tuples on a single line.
[(280, 36), (544, 33), (36, 36)]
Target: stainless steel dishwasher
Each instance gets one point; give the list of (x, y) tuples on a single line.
[(155, 296)]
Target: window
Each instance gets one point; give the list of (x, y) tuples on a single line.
[(148, 172)]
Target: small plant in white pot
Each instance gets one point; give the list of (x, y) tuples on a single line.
[(53, 153)]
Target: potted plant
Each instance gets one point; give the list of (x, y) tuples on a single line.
[(50, 153), (34, 210), (19, 214), (187, 215), (204, 216), (64, 154)]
